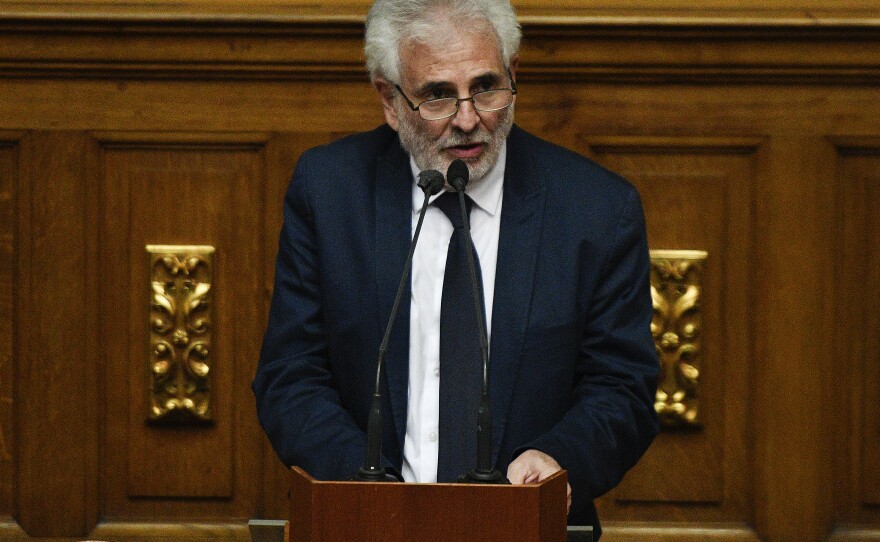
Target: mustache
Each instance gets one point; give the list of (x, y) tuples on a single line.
[(460, 138)]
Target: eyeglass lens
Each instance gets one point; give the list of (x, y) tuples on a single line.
[(491, 100)]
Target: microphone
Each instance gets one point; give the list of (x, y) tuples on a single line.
[(484, 473), (431, 182)]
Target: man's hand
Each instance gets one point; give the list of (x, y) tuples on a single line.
[(534, 466)]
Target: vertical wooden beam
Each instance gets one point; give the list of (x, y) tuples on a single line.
[(55, 407), (793, 261)]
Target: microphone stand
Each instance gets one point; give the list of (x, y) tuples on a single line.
[(484, 472), (431, 182)]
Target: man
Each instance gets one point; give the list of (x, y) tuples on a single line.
[(562, 255)]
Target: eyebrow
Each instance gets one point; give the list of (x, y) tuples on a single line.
[(488, 77), (430, 86), (491, 78)]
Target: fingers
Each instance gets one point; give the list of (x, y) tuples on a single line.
[(531, 466), (518, 471), (534, 466)]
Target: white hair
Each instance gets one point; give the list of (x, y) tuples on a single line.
[(391, 22)]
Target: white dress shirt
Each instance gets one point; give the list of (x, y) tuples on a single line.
[(420, 446)]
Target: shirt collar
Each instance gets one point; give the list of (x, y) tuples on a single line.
[(486, 194)]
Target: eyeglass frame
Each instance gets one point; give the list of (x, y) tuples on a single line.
[(458, 100)]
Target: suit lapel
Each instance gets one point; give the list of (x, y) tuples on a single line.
[(522, 215), (393, 234)]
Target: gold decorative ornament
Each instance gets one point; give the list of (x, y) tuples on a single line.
[(676, 290), (180, 333)]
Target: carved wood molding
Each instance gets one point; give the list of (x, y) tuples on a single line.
[(8, 179), (189, 531), (856, 145), (10, 529), (797, 12), (854, 534), (671, 532), (196, 41)]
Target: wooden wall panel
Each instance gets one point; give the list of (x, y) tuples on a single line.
[(865, 171), (8, 161), (177, 189), (857, 321), (696, 193)]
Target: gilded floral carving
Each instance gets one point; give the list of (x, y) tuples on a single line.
[(677, 328), (180, 333)]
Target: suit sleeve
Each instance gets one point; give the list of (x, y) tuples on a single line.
[(297, 403), (612, 419)]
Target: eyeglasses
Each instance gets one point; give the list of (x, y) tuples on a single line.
[(442, 108)]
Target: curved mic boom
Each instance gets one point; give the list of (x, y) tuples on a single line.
[(431, 182)]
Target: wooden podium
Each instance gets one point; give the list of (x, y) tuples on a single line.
[(398, 512)]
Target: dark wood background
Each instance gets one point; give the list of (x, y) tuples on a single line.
[(751, 134)]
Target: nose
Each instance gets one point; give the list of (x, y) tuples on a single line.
[(467, 118)]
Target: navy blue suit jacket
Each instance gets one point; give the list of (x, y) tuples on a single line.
[(573, 367)]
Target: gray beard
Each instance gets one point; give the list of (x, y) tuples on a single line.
[(427, 154)]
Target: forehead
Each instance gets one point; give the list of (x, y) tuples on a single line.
[(451, 55)]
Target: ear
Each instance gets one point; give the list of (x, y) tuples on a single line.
[(386, 93)]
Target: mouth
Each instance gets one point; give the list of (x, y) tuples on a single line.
[(468, 151)]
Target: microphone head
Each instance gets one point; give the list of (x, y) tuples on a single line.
[(457, 175), (431, 182)]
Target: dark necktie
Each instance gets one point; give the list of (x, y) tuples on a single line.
[(460, 362)]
